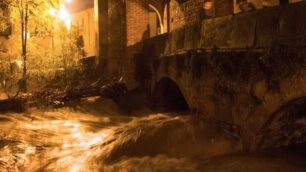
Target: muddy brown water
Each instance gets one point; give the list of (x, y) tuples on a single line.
[(96, 136)]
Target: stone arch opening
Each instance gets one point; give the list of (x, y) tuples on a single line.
[(167, 97), (287, 126), (155, 21)]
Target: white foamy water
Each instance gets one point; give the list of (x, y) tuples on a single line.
[(98, 137)]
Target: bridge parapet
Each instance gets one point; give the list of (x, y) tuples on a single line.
[(238, 69), (258, 29)]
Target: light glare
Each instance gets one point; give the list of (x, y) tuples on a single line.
[(68, 1), (65, 16), (52, 12)]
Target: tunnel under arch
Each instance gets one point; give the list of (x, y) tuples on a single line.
[(167, 97), (287, 126)]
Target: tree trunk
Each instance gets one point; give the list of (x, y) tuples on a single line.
[(24, 38)]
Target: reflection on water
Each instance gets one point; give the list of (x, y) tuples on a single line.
[(69, 140)]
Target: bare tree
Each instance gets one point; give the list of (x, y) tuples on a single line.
[(24, 18), (30, 14)]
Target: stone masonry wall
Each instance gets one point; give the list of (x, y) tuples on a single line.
[(182, 13), (239, 70), (190, 11), (257, 29)]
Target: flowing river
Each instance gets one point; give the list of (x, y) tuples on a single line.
[(95, 136)]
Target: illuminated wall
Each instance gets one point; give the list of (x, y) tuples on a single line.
[(84, 22)]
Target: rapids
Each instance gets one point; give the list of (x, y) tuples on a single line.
[(96, 136)]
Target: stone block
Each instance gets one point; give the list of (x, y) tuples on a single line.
[(243, 31), (216, 32), (267, 27)]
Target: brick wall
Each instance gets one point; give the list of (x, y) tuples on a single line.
[(137, 20)]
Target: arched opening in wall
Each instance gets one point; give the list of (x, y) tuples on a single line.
[(155, 22), (166, 18), (167, 97), (287, 126)]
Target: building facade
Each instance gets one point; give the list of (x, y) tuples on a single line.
[(83, 22), (82, 19)]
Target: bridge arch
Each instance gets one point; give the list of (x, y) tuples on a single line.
[(167, 96), (286, 126)]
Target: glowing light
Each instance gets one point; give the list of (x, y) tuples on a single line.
[(75, 169), (63, 13), (68, 1), (68, 124), (19, 63), (77, 135), (68, 23), (28, 35), (65, 16), (52, 12), (208, 5)]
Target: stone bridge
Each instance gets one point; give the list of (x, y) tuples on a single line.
[(246, 70)]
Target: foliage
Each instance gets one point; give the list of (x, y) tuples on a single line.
[(40, 22), (43, 44)]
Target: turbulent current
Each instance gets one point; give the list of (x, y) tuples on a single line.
[(95, 136)]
